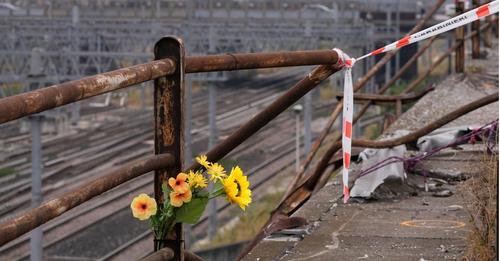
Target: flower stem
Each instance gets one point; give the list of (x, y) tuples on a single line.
[(216, 193)]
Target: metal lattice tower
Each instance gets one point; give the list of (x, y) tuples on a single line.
[(86, 37)]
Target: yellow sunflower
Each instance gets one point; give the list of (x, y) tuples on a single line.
[(236, 188), (143, 206), (216, 172), (196, 180), (202, 159)]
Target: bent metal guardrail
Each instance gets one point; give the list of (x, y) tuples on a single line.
[(168, 72)]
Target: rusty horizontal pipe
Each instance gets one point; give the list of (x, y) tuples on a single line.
[(312, 79), (20, 105), (231, 62), (385, 99), (17, 106), (53, 208)]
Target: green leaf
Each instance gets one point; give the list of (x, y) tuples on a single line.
[(191, 212)]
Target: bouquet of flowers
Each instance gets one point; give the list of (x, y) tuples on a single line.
[(186, 196)]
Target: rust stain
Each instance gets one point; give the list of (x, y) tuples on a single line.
[(167, 126), (59, 99), (33, 100)]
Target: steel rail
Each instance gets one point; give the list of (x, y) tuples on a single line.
[(24, 104), (55, 207)]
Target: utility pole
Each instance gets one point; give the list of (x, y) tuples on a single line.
[(449, 39), (188, 154), (459, 38), (297, 109), (398, 33), (36, 155), (307, 122), (476, 44), (388, 25), (212, 140), (212, 108)]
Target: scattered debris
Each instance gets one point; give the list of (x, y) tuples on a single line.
[(365, 186), (442, 193), (442, 137), (454, 208)]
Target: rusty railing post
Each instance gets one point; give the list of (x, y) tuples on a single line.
[(476, 45), (459, 38), (495, 27), (169, 129), (487, 34)]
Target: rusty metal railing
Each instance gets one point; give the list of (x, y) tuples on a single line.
[(53, 208), (24, 104), (168, 71)]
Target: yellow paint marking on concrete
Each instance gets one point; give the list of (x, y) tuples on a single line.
[(433, 223)]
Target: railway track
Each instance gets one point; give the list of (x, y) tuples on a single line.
[(60, 153), (23, 186), (199, 229), (286, 147)]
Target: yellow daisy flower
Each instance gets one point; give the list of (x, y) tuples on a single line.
[(236, 188), (202, 159), (196, 180), (216, 172), (143, 207)]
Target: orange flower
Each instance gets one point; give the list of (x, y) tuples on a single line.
[(143, 206), (179, 184), (179, 198)]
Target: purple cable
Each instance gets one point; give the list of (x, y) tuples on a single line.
[(409, 163)]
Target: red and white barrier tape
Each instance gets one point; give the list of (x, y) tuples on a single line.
[(347, 63)]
